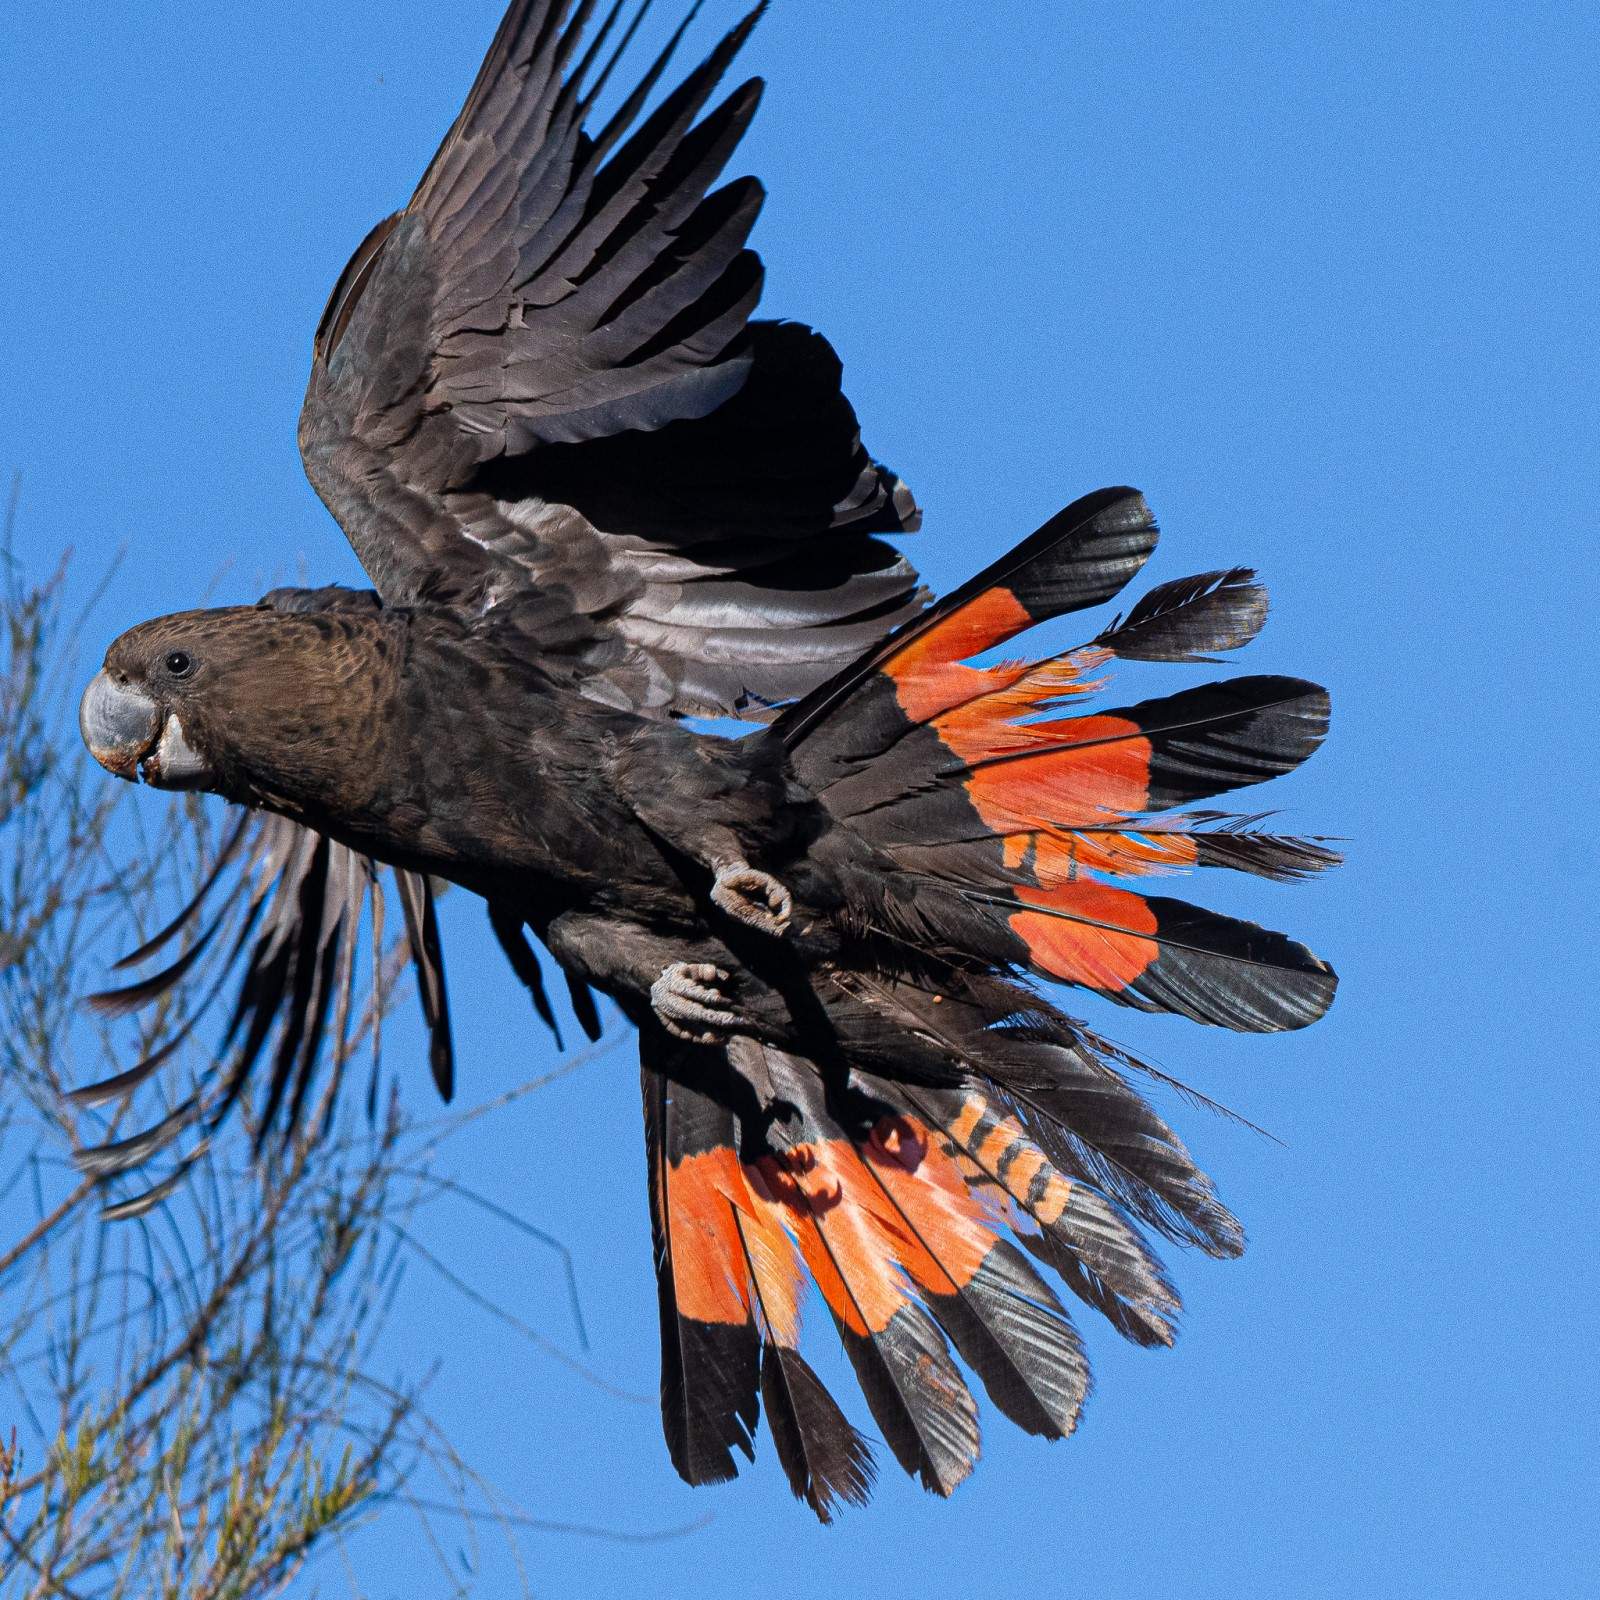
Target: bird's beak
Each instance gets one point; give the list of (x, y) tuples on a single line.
[(125, 733), (119, 724)]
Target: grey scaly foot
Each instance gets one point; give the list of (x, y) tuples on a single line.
[(754, 897), (689, 1004)]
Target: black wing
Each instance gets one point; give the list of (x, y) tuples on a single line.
[(537, 391), (278, 921), (289, 926)]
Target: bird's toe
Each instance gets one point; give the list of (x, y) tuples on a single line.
[(754, 897), (690, 1004)]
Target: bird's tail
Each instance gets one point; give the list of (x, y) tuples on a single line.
[(899, 1201), (954, 1108), (896, 1203), (963, 778)]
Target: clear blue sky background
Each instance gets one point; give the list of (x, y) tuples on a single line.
[(1321, 279)]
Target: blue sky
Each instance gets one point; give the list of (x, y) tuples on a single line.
[(1321, 280)]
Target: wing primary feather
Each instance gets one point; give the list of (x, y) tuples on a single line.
[(225, 854), (119, 1002), (357, 877), (627, 185), (496, 63), (597, 88), (271, 967), (583, 1007), (331, 940), (125, 1082), (141, 1204), (105, 1160), (441, 1049), (422, 934), (508, 931), (622, 119), (379, 905), (302, 986), (505, 318)]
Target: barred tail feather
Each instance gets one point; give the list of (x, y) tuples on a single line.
[(1068, 1225), (908, 1258)]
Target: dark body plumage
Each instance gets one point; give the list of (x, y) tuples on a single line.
[(595, 497)]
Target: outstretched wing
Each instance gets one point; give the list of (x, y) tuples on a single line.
[(537, 391), (273, 932), (282, 947)]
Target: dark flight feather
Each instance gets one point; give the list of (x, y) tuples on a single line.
[(1001, 1316), (1190, 619), (509, 932), (1159, 954), (232, 842), (581, 998), (1082, 556), (1099, 1254), (427, 958), (913, 1388), (292, 918), (824, 1458), (1223, 840)]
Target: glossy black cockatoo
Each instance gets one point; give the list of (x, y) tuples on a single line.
[(595, 497)]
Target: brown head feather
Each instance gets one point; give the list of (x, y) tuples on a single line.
[(284, 710)]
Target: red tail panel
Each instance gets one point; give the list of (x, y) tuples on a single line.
[(927, 674), (709, 1274), (1105, 945)]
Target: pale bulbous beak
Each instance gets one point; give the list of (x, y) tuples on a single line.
[(120, 724), (126, 733)]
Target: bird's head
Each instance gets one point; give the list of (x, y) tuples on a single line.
[(237, 701)]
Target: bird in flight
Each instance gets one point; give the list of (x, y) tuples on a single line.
[(595, 496)]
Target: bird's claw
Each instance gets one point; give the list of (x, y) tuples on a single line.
[(754, 897), (691, 1006)]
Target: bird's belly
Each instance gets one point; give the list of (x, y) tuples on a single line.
[(551, 853)]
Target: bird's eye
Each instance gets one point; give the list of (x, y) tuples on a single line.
[(179, 663)]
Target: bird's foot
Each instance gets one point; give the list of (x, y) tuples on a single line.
[(754, 897), (691, 1006)]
